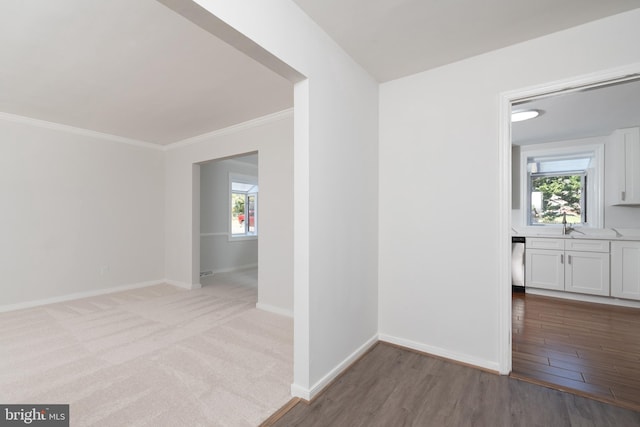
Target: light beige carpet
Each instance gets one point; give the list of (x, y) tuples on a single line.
[(156, 356)]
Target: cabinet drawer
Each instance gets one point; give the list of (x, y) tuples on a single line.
[(544, 243), (587, 245)]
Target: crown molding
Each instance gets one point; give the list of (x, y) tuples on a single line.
[(77, 131), (144, 144), (274, 117)]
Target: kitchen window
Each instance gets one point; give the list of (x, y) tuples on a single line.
[(563, 183)]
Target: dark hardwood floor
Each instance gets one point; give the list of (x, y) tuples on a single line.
[(593, 349), (391, 386)]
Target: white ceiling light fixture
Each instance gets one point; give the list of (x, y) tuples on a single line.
[(519, 116)]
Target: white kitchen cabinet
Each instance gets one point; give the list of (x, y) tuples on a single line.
[(578, 265), (626, 154), (544, 269), (586, 272), (625, 270)]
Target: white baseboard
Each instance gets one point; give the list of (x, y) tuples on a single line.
[(274, 309), (440, 352), (229, 269), (183, 285), (78, 295), (584, 298), (308, 394), (301, 392)]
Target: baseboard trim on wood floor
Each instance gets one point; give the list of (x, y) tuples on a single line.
[(441, 353), (215, 271), (275, 417), (78, 295), (309, 394), (341, 368)]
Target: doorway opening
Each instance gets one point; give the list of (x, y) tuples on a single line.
[(229, 215), (569, 329)]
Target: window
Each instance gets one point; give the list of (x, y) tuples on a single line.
[(562, 182), (244, 206), (557, 190)]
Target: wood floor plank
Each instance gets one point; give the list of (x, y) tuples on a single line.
[(391, 386), (591, 348), (626, 393), (611, 380), (566, 383), (571, 374), (585, 366), (532, 358)]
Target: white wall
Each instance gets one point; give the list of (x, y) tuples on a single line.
[(336, 175), (217, 252), (439, 166), (79, 213), (273, 140)]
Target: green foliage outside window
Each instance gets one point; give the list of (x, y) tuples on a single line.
[(238, 204), (560, 195)]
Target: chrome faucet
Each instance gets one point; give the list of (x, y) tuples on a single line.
[(565, 230)]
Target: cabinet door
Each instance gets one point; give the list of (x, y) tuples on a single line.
[(587, 272), (626, 144), (632, 167), (544, 269), (625, 270)]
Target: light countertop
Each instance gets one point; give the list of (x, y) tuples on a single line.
[(622, 234)]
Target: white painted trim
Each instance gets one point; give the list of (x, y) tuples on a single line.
[(184, 285), (440, 352), (231, 269), (504, 243), (583, 297), (274, 309), (301, 238), (298, 391), (504, 147), (230, 129), (195, 223), (78, 131), (79, 295), (570, 84)]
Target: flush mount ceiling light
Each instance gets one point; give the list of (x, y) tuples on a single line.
[(519, 116)]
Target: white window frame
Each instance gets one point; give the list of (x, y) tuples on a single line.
[(595, 179), (245, 179)]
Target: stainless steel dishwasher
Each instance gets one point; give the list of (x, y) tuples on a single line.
[(517, 263)]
